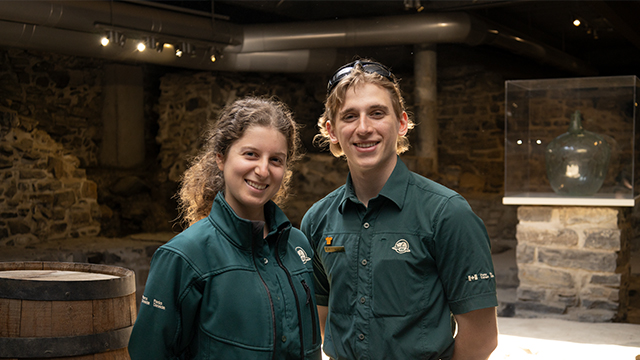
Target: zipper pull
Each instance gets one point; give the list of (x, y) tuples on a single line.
[(307, 290)]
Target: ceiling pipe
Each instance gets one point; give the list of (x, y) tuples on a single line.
[(73, 27), (39, 38)]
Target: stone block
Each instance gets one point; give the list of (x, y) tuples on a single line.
[(45, 199), (578, 259), (604, 239), (89, 190), (525, 254), (56, 166), (589, 215), (32, 174), (535, 213), (536, 307), (609, 280), (48, 185), (544, 277), (599, 304), (18, 226), (595, 315), (64, 198), (79, 216), (531, 294), (541, 236)]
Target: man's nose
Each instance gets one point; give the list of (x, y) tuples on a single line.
[(364, 125)]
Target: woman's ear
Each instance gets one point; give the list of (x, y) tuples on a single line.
[(220, 161)]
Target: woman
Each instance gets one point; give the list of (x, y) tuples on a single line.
[(238, 282)]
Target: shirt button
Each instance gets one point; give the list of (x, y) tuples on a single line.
[(284, 338), (364, 262), (361, 336), (363, 300), (266, 261), (366, 225)]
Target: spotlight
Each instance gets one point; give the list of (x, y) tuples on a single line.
[(107, 38), (576, 22), (141, 46)]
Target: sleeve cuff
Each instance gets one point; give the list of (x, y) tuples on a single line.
[(474, 303)]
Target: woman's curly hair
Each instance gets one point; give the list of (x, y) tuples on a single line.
[(336, 99), (203, 179)]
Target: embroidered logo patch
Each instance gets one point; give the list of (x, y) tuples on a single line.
[(401, 246), (302, 254)]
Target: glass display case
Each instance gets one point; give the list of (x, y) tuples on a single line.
[(571, 141)]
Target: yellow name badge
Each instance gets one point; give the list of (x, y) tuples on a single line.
[(330, 249)]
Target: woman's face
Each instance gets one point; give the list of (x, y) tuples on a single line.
[(253, 170)]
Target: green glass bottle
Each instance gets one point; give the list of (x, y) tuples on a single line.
[(577, 161)]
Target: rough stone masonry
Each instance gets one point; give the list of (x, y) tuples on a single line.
[(573, 262)]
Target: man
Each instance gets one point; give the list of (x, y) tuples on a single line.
[(396, 254)]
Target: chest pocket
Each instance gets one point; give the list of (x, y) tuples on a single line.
[(403, 275)]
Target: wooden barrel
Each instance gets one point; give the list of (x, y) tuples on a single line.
[(57, 310)]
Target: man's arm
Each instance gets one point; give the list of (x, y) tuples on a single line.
[(323, 311), (477, 334)]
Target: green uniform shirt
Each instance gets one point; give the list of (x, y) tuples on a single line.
[(218, 290), (393, 272)]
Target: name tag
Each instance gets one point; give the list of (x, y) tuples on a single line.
[(334, 249)]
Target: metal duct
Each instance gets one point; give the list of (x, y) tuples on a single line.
[(32, 37), (72, 27)]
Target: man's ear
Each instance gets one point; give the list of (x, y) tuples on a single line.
[(220, 161), (404, 124), (331, 131)]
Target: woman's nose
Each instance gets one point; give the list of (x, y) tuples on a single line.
[(262, 168)]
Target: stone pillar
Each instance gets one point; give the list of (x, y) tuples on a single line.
[(426, 104), (573, 262)]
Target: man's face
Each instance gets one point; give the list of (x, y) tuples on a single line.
[(367, 129)]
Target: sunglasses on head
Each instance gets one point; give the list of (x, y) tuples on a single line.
[(367, 66)]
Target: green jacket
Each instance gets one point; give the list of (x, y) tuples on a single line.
[(218, 290)]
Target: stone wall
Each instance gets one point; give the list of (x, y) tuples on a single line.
[(573, 262), (43, 194), (471, 119)]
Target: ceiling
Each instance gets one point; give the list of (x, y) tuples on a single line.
[(318, 36), (608, 38)]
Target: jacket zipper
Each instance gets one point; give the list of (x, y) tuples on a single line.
[(313, 313), (295, 295), (273, 312)]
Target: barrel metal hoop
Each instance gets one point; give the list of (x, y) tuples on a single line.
[(52, 347), (66, 290)]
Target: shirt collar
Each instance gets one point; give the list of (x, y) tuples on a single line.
[(394, 189), (239, 230)]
